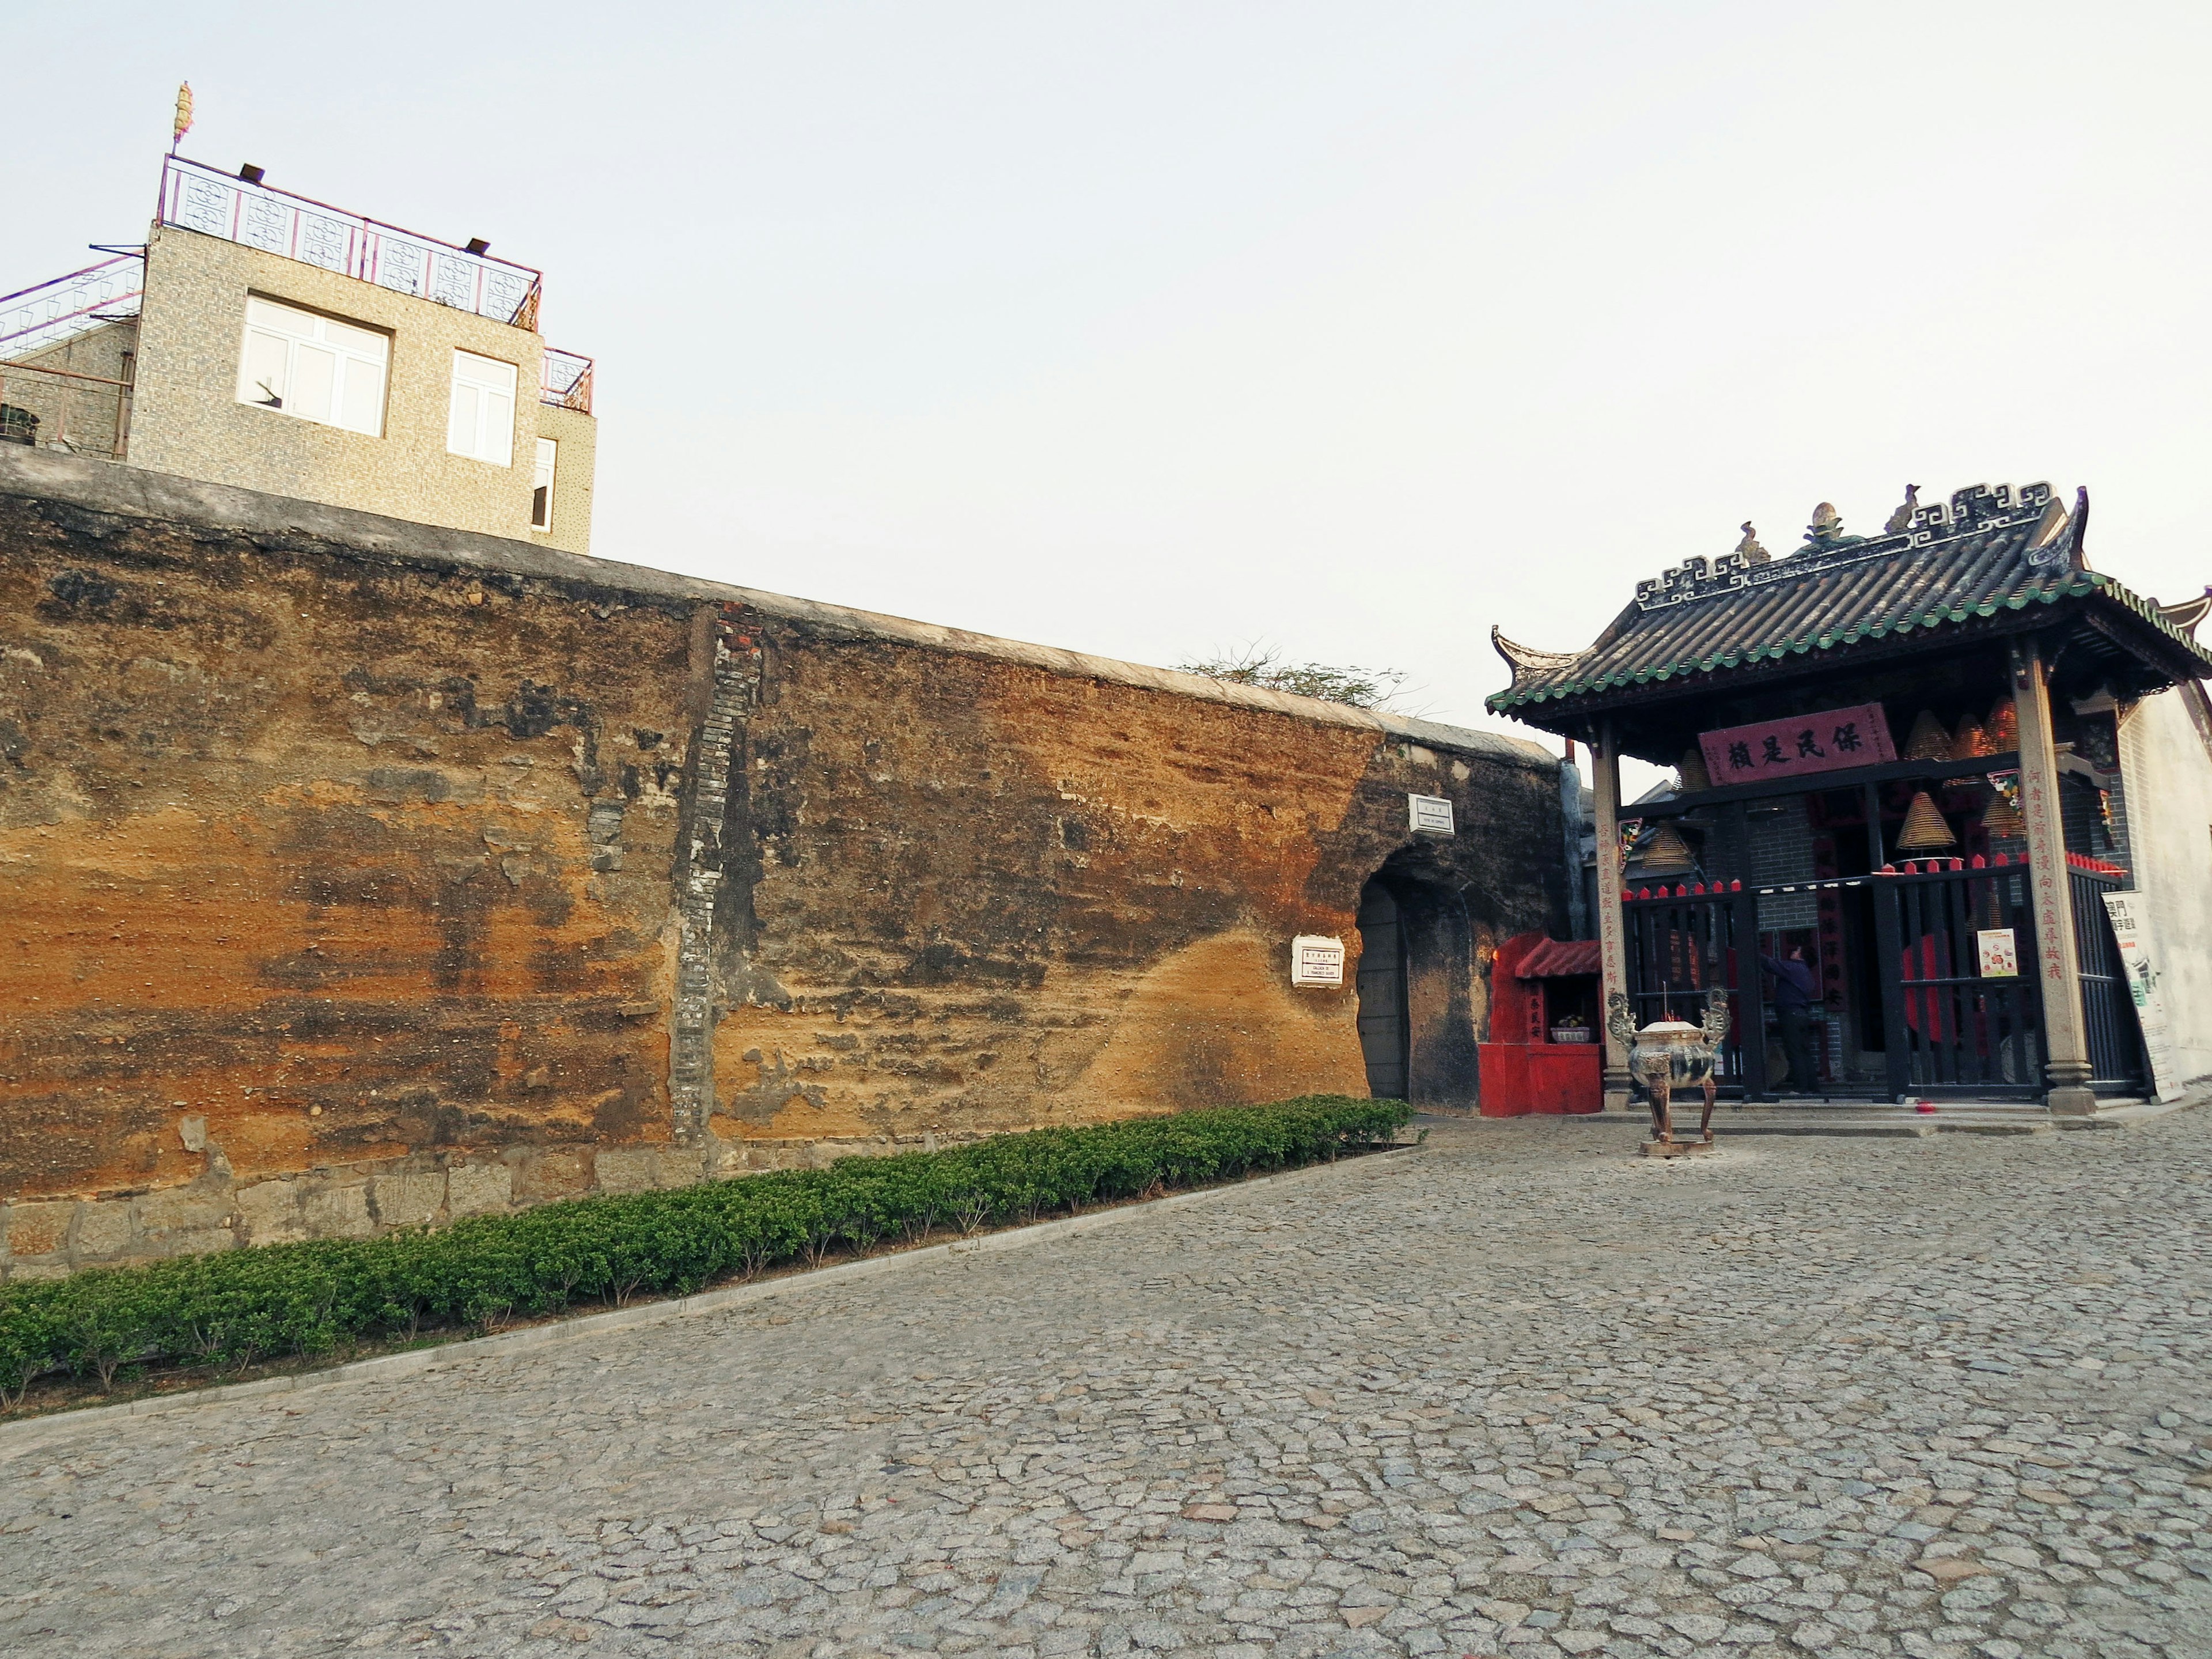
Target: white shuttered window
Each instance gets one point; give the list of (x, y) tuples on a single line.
[(482, 424), (541, 485), (313, 367)]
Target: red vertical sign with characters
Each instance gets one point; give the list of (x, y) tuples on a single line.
[(1830, 741)]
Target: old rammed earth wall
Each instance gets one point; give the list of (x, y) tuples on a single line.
[(360, 874)]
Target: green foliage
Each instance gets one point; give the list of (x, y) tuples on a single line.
[(280, 1300)]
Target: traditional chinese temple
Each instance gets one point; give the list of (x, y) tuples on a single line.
[(1939, 826)]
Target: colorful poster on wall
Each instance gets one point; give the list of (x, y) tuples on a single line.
[(1826, 742), (2146, 972), (2000, 954)]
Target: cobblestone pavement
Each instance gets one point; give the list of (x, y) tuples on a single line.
[(1518, 1393)]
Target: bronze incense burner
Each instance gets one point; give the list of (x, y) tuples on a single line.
[(1669, 1054)]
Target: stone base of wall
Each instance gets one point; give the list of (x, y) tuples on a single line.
[(49, 1238)]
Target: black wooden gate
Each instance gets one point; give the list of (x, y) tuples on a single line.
[(1948, 1028), (1684, 942)]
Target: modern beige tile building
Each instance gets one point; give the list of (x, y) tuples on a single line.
[(265, 340)]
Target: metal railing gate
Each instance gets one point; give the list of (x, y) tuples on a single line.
[(2118, 1065), (1948, 1029)]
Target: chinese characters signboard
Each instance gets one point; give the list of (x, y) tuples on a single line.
[(1316, 961), (2144, 966), (1826, 742), (2000, 954), (1429, 815)]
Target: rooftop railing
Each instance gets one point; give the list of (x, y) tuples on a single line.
[(566, 381), (38, 319), (60, 409), (216, 204)]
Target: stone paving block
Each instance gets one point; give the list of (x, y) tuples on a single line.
[(183, 1210), (338, 1212), (1521, 1393), (271, 1212), (103, 1230), (412, 1198), (478, 1188), (628, 1169), (556, 1172), (39, 1229)]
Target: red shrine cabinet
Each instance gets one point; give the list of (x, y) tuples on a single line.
[(1546, 1052)]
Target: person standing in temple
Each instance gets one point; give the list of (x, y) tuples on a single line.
[(1793, 989)]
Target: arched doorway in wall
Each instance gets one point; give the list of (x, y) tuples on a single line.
[(1416, 985)]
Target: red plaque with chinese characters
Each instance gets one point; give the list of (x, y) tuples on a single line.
[(1826, 742)]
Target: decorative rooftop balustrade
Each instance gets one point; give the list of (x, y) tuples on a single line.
[(38, 319), (216, 204), (566, 382)]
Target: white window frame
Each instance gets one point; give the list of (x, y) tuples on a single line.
[(549, 462), (282, 346), (480, 419)]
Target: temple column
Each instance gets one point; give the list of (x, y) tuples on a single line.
[(2065, 1031), (1612, 960)]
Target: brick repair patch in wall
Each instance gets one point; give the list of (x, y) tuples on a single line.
[(715, 750)]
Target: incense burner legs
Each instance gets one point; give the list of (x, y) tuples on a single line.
[(1670, 1054)]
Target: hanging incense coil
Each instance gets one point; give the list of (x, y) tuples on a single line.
[(1925, 830), (1666, 854), (2001, 819), (1692, 773), (1989, 908), (1928, 740), (1970, 742), (2004, 726)]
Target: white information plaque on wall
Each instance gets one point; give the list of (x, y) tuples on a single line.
[(1316, 961), (1430, 815)]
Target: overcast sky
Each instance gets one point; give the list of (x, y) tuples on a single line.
[(1149, 329)]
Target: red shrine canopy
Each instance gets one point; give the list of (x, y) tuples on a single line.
[(1560, 958)]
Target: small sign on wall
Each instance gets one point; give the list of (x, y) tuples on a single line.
[(1430, 815), (1316, 960), (2000, 954)]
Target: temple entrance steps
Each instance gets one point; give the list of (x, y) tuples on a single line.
[(1843, 1115)]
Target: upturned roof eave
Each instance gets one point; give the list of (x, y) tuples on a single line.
[(1558, 707)]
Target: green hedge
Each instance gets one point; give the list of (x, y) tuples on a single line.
[(236, 1307)]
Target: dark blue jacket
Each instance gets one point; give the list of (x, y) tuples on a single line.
[(1793, 982)]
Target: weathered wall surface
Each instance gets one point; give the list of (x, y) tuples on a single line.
[(361, 875), (314, 863), (969, 894)]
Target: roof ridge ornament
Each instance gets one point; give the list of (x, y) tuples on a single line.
[(1901, 521), (1970, 512), (1826, 529)]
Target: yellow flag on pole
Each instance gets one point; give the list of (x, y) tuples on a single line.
[(184, 114)]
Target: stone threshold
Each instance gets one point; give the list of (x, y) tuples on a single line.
[(16, 1438), (1882, 1119)]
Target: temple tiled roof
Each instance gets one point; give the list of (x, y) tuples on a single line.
[(1986, 553)]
